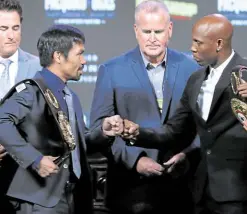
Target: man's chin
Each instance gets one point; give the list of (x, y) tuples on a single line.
[(8, 53), (201, 63)]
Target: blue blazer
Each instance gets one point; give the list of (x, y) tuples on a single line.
[(123, 87), (28, 65)]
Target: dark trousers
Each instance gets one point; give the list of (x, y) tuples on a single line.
[(154, 196), (64, 206), (210, 206)]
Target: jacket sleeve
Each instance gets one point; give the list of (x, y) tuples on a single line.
[(97, 141), (12, 113), (103, 106), (177, 134)]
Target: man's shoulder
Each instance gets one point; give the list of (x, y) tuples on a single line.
[(23, 55), (24, 89), (122, 58), (181, 56), (185, 61)]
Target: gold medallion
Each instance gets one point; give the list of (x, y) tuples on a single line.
[(51, 98), (239, 108)]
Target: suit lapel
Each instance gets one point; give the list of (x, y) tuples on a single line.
[(139, 69), (23, 66), (170, 76), (223, 83)]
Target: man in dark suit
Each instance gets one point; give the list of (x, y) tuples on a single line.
[(220, 182), (143, 85), (31, 136)]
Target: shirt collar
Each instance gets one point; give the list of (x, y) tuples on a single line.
[(13, 58), (52, 80), (146, 62), (224, 64)]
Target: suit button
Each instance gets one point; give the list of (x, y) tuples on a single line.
[(208, 152), (209, 130), (131, 143), (65, 166)]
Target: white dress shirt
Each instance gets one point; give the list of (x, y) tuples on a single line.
[(206, 93), (13, 68)]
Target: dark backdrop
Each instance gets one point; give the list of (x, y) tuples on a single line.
[(108, 27)]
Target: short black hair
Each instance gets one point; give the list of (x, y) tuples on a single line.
[(59, 38), (11, 5)]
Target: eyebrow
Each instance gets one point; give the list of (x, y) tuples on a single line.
[(4, 26)]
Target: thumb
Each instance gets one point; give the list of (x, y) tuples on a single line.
[(169, 162), (242, 81), (171, 168), (52, 158)]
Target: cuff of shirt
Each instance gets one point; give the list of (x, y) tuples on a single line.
[(35, 164)]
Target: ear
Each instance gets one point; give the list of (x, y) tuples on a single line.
[(220, 43), (135, 29), (57, 57), (170, 28)]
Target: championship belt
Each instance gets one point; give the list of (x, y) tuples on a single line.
[(59, 116), (238, 104)]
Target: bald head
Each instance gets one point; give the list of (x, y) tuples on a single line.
[(215, 26), (211, 40)]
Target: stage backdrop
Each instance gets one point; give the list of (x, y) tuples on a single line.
[(108, 27)]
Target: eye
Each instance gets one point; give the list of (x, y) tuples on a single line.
[(16, 28), (146, 31), (2, 28), (197, 42), (158, 31)]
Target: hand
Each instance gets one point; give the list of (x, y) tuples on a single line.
[(245, 125), (131, 130), (242, 89), (113, 126), (148, 167), (3, 152), (177, 165), (47, 167)]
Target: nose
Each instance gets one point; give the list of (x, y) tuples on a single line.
[(152, 37), (193, 49), (10, 34), (83, 61)]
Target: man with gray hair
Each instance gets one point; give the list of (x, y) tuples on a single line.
[(144, 85)]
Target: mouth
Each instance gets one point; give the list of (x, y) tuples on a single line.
[(80, 70), (153, 46), (196, 58), (10, 43)]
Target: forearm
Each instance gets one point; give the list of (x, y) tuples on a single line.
[(19, 149), (97, 141), (163, 139), (129, 155)]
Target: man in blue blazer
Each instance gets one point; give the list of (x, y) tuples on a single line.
[(31, 135), (143, 85), (23, 65)]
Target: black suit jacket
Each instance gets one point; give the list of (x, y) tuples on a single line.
[(28, 130), (223, 139)]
